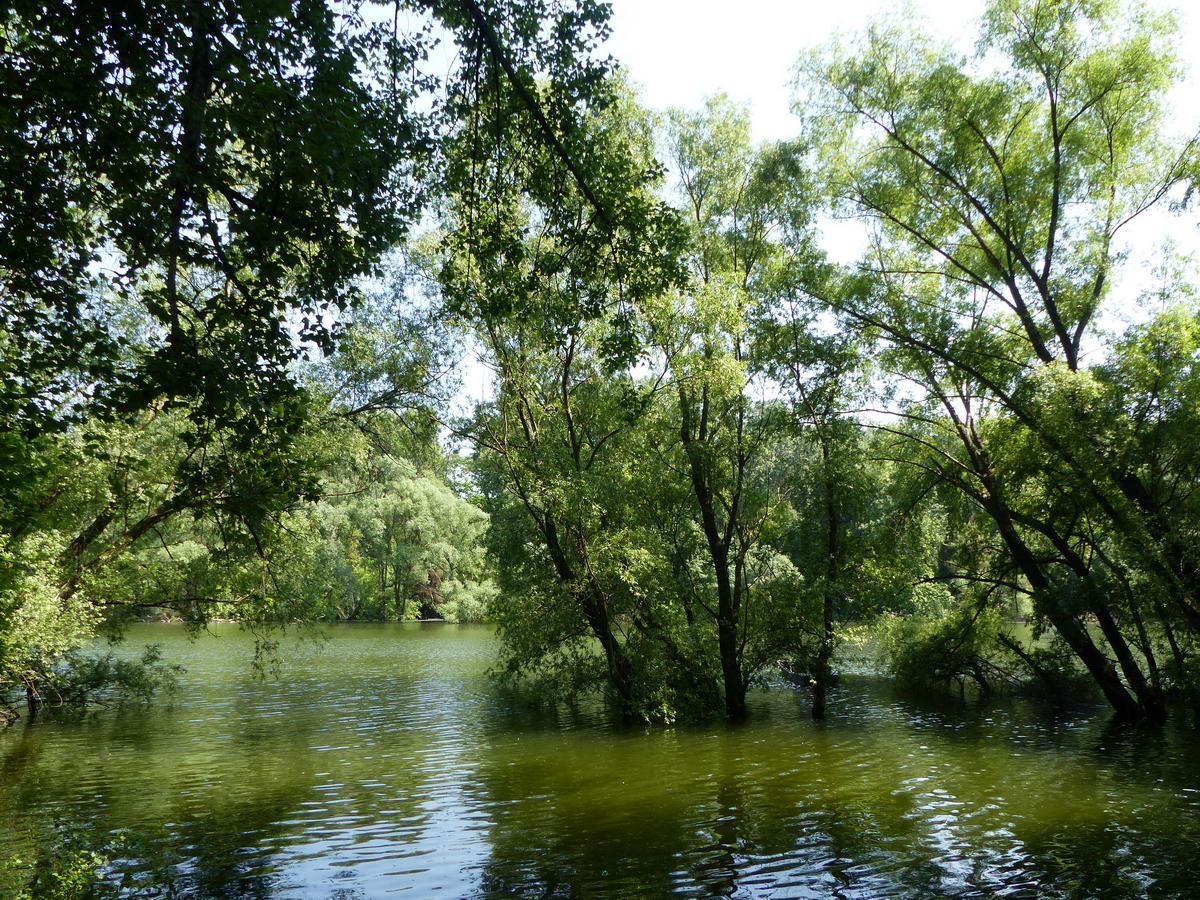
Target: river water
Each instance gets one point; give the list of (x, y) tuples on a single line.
[(382, 762)]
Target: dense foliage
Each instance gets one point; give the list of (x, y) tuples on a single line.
[(194, 196), (948, 438), (708, 450)]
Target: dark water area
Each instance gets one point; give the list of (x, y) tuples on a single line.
[(383, 762)]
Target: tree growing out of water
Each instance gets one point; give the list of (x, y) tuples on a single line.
[(709, 446), (1000, 190)]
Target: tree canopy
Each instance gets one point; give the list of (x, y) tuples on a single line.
[(248, 247)]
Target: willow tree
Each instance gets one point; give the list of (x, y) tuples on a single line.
[(546, 257), (1001, 189)]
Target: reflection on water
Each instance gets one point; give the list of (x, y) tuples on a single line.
[(384, 763)]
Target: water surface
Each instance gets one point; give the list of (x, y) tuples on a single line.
[(384, 763)]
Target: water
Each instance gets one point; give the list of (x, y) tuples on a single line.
[(384, 763)]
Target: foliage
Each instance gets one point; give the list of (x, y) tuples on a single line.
[(69, 867), (194, 196), (708, 447), (999, 188)]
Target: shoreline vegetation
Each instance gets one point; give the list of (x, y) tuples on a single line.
[(111, 679), (237, 309)]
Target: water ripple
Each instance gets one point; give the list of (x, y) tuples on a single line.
[(385, 764)]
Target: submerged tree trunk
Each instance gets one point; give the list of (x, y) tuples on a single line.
[(731, 669), (32, 701), (1149, 699), (620, 671), (694, 433), (594, 606), (1179, 663), (1066, 623), (1064, 619), (727, 597), (833, 548)]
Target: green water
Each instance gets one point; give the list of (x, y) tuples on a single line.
[(384, 763)]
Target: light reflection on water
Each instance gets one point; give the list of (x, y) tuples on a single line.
[(385, 764)]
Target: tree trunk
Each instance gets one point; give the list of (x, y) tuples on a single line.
[(1179, 660), (727, 605), (1065, 621), (1149, 699), (620, 672), (32, 701), (694, 434), (832, 572), (594, 607)]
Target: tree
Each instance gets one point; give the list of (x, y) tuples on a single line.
[(999, 197), (193, 194), (180, 158), (817, 374), (734, 196), (555, 441)]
